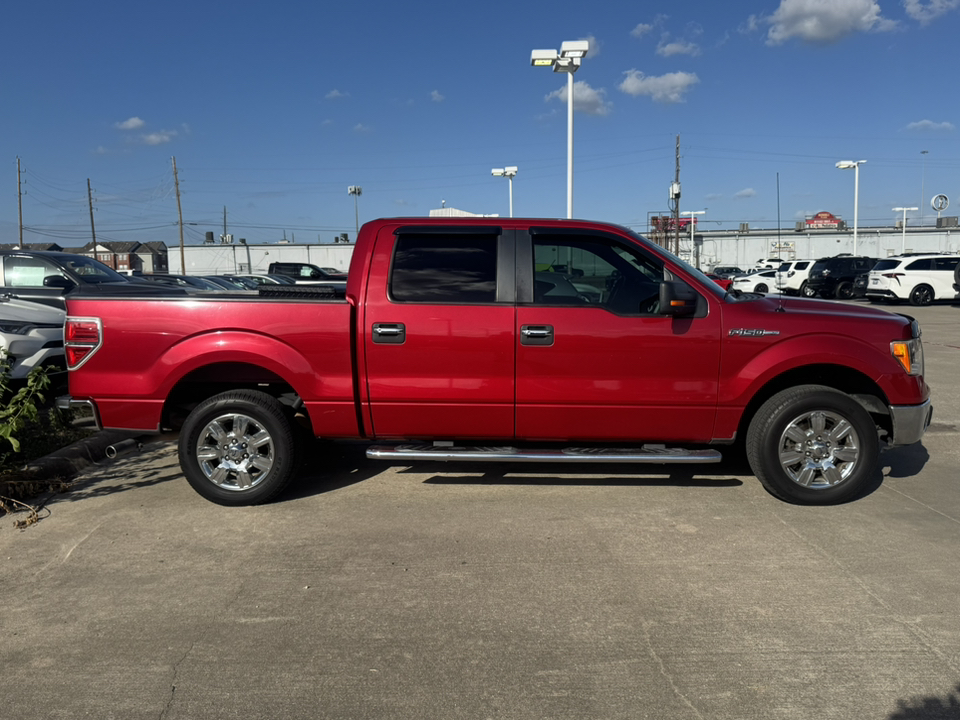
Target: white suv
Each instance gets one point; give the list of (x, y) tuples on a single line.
[(921, 279), (792, 276)]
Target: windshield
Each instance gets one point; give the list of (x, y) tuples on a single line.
[(91, 271), (685, 266)]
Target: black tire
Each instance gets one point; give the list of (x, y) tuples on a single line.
[(844, 290), (921, 295), (239, 448), (813, 445), (806, 290), (761, 288)]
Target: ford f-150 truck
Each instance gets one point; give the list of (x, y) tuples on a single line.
[(510, 340)]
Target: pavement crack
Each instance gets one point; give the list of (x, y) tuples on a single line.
[(173, 684), (666, 675)]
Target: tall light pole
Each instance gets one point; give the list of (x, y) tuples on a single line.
[(567, 61), (855, 164), (509, 173), (356, 191), (903, 228), (693, 246), (923, 177)]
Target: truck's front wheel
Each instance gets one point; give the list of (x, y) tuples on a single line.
[(812, 445), (238, 448)]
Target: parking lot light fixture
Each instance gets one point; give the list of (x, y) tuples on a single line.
[(903, 227), (855, 164), (356, 191), (692, 213), (568, 61), (509, 173)]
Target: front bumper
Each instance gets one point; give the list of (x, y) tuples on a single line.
[(910, 422)]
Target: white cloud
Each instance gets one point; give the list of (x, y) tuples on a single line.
[(361, 128), (930, 126), (640, 30), (926, 12), (130, 124), (335, 95), (594, 46), (678, 47), (669, 88), (436, 96), (158, 138), (822, 22), (585, 98), (745, 193)]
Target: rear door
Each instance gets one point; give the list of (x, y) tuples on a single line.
[(438, 333), (595, 359), (943, 276)]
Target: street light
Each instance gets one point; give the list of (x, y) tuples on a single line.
[(567, 61), (923, 177), (693, 246), (855, 164), (509, 173), (356, 191), (903, 227)]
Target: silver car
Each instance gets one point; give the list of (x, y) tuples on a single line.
[(31, 335)]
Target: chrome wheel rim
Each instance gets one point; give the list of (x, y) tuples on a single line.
[(235, 452), (819, 449)]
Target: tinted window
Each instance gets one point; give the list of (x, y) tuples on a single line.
[(946, 263), (445, 269), (923, 264), (886, 265), (802, 265)]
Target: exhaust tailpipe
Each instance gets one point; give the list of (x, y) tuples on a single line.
[(124, 447)]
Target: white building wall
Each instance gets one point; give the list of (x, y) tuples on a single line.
[(234, 258)]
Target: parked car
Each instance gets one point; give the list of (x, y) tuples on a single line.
[(265, 279), (792, 276), (242, 282), (766, 264), (760, 281), (304, 272), (31, 335), (921, 279), (724, 282), (189, 282), (46, 276), (726, 271), (228, 284), (836, 276)]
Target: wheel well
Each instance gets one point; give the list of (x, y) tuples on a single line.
[(844, 379), (202, 383)]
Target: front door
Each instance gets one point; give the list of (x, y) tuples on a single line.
[(595, 359)]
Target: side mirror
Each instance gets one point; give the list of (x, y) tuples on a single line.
[(678, 299), (58, 281)]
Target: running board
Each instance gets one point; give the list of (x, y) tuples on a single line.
[(444, 453)]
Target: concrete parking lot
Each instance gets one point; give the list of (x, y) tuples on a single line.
[(435, 591)]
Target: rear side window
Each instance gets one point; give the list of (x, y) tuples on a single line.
[(444, 269), (802, 265), (923, 264), (886, 265), (946, 263)]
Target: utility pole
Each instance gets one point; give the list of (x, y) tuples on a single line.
[(224, 223), (19, 202), (93, 230), (675, 200), (176, 184)]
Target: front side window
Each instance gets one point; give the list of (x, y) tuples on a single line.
[(28, 271), (585, 270), (441, 268)]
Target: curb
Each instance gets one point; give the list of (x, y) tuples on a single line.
[(71, 460)]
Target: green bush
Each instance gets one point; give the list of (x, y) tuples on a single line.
[(21, 409)]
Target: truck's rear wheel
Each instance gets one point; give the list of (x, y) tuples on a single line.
[(238, 448), (812, 445)]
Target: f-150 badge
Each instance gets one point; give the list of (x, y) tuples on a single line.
[(752, 332)]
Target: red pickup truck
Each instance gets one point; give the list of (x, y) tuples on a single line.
[(510, 340)]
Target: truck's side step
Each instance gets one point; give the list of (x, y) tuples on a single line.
[(645, 454)]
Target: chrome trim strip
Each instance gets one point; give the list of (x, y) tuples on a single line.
[(657, 455)]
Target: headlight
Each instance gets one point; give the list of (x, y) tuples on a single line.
[(16, 328)]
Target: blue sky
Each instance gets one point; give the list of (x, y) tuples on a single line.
[(273, 109)]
